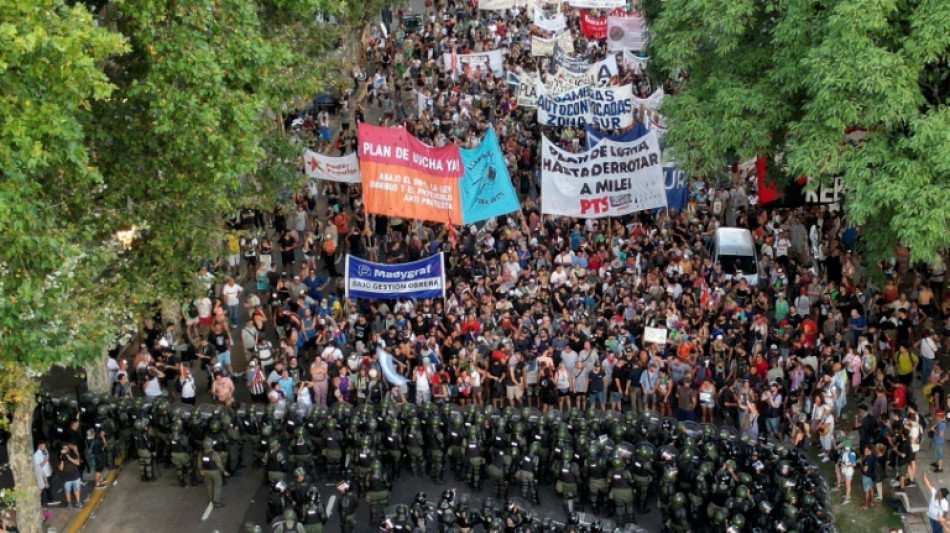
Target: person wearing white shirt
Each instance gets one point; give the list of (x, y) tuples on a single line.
[(559, 276), (43, 470), (232, 299), (938, 508), (332, 354), (928, 352)]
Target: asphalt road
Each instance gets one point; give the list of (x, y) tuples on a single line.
[(162, 506)]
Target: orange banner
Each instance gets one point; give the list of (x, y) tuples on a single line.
[(404, 177)]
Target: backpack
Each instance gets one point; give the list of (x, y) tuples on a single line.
[(329, 246), (192, 310)]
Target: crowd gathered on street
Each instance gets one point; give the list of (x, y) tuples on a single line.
[(822, 350)]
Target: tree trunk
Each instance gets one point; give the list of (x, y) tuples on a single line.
[(20, 449), (97, 375)]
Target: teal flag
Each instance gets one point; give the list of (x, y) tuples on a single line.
[(486, 186)]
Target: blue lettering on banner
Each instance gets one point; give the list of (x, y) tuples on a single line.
[(486, 186), (419, 279)]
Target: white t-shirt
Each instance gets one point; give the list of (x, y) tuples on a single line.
[(928, 348), (43, 470), (204, 307), (938, 506), (231, 294), (332, 354), (188, 388)]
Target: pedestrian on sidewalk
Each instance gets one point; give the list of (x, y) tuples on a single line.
[(44, 474), (69, 461), (939, 430), (939, 506)]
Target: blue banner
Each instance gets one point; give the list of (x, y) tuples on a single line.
[(424, 278), (594, 135), (677, 188), (486, 186)]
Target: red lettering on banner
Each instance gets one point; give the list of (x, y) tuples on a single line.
[(595, 205)]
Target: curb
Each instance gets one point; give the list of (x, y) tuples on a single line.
[(79, 521)]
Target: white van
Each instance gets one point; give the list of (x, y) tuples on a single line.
[(734, 249)]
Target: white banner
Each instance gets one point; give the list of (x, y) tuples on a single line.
[(525, 88), (651, 102), (344, 169), (597, 4), (634, 62), (626, 33), (610, 179), (470, 64), (541, 47), (571, 108), (551, 23), (611, 108), (599, 74), (500, 5)]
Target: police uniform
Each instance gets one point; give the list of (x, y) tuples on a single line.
[(621, 493), (182, 458), (346, 509), (212, 468), (145, 449), (377, 494)]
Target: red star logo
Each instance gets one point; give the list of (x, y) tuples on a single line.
[(314, 164)]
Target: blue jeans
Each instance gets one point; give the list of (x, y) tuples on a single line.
[(926, 368), (233, 313), (595, 397), (935, 526)]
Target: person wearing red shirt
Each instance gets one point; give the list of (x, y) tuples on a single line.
[(809, 332), (471, 326), (760, 364)]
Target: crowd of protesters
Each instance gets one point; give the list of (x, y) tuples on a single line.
[(551, 312)]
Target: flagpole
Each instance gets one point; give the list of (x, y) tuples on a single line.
[(346, 281)]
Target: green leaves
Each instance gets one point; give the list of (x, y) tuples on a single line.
[(790, 77)]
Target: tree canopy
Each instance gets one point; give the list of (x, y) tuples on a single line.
[(789, 77), (160, 116)]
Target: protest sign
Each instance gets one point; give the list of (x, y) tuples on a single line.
[(525, 88), (424, 278), (677, 188), (611, 179), (469, 65), (404, 177), (571, 108), (549, 22), (593, 27), (486, 187), (611, 108), (653, 335), (597, 4), (500, 5), (562, 60), (626, 33), (634, 62), (544, 47), (344, 169)]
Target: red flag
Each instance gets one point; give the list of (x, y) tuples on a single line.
[(767, 191)]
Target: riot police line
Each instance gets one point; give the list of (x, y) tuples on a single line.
[(606, 466)]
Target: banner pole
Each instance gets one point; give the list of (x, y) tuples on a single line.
[(442, 260), (346, 278)]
